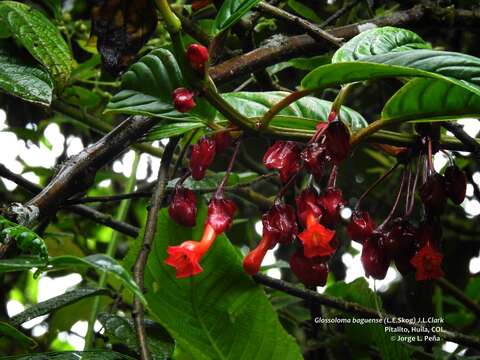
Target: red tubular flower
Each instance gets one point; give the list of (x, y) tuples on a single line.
[(375, 263), (197, 56), (220, 214), (337, 141), (203, 153), (185, 258), (279, 224), (316, 238), (253, 261), (331, 202), (434, 194), (183, 208), (283, 156), (427, 262), (307, 202), (222, 141), (310, 271), (314, 158), (361, 226), (183, 100), (456, 184)]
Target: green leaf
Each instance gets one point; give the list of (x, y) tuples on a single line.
[(20, 338), (302, 114), (169, 129), (379, 41), (230, 12), (31, 28), (220, 313), (304, 11), (431, 99), (119, 330), (22, 78), (73, 355), (56, 303), (98, 261), (147, 90)]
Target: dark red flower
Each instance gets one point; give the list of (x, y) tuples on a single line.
[(308, 202), (317, 240), (331, 201), (314, 158), (197, 56), (253, 261), (203, 153), (222, 140), (337, 141), (374, 262), (398, 238), (456, 184), (283, 156), (280, 224), (220, 213), (427, 262), (361, 226), (183, 208), (434, 194), (183, 100), (310, 271)]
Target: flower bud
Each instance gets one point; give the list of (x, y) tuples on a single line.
[(331, 202), (183, 208), (433, 193), (375, 263), (361, 226), (309, 271), (398, 238), (314, 157), (183, 100), (456, 184), (283, 156), (203, 153), (220, 214), (337, 141), (308, 202), (280, 224), (197, 56)]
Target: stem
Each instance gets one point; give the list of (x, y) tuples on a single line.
[(112, 248), (221, 187), (362, 134), (412, 195), (332, 180), (375, 184), (171, 20), (340, 98), (397, 200), (149, 235)]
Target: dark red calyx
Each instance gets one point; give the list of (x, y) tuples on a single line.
[(361, 226), (399, 237), (280, 224), (337, 141), (183, 207), (331, 202), (374, 261), (220, 213), (314, 158), (183, 99), (222, 140), (434, 193), (283, 156), (203, 153), (308, 202), (456, 183), (197, 56), (309, 271)]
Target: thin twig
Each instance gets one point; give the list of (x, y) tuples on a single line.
[(339, 13), (457, 130), (150, 230), (460, 295)]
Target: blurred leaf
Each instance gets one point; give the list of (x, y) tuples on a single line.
[(80, 96), (230, 12), (22, 77), (57, 302), (20, 338), (473, 288), (208, 314), (169, 129), (122, 28), (31, 28), (304, 11), (73, 355)]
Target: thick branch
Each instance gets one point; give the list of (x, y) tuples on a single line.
[(149, 236), (457, 130)]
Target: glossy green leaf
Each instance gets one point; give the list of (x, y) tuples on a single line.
[(56, 303), (218, 314), (378, 41), (433, 100), (22, 78), (459, 69), (119, 330), (302, 114), (147, 89), (73, 355), (7, 330), (168, 129), (31, 28), (230, 12), (98, 261)]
